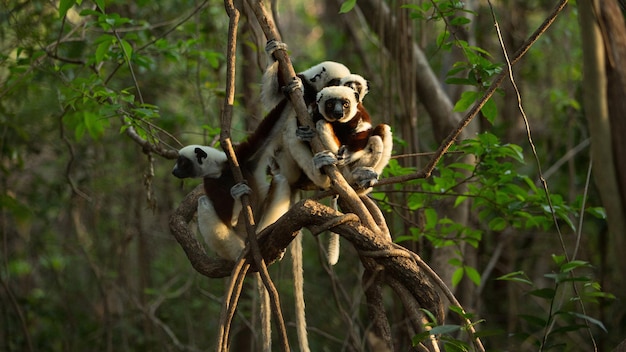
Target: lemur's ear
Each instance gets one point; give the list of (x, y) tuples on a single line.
[(200, 155), (356, 95)]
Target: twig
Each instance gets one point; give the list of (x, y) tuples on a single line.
[(444, 288)]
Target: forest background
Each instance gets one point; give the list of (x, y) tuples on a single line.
[(97, 96)]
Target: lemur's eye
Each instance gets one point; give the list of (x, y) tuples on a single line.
[(346, 105)]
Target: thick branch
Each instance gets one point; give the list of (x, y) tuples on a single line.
[(179, 227), (396, 261)]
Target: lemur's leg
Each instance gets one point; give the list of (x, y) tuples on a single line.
[(219, 236)]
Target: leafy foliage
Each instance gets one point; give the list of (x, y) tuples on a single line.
[(76, 227)]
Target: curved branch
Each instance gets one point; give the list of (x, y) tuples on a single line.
[(179, 227)]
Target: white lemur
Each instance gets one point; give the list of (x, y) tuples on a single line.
[(313, 79), (345, 128), (219, 209), (274, 146)]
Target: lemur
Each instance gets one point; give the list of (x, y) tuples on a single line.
[(313, 79), (324, 75), (274, 145), (220, 208), (345, 128)]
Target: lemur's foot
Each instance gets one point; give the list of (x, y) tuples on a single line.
[(295, 83), (274, 168), (239, 190), (343, 155), (273, 45), (204, 202), (365, 177), (305, 133), (324, 158)]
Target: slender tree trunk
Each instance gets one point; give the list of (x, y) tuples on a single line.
[(614, 35), (604, 38)]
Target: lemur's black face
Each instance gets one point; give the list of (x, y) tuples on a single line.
[(189, 162), (335, 109), (184, 168)]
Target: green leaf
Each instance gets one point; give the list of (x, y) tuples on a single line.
[(64, 6), (442, 38), (459, 21), (127, 49), (558, 259), (100, 4), (473, 275), (459, 310), (347, 6), (459, 200), (102, 50), (457, 276), (455, 262), (421, 337), (598, 212), (590, 319), (94, 125), (497, 224), (429, 314), (431, 218), (574, 264), (489, 110), (467, 99), (458, 80), (445, 329)]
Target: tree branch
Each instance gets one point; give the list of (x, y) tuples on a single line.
[(436, 102)]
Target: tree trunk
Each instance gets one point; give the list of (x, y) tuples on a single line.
[(604, 39)]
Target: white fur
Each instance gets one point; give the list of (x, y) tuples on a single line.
[(356, 82), (387, 140), (337, 92), (211, 165), (318, 76), (298, 285), (333, 239), (323, 73), (299, 154), (220, 237), (270, 88), (279, 202)]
